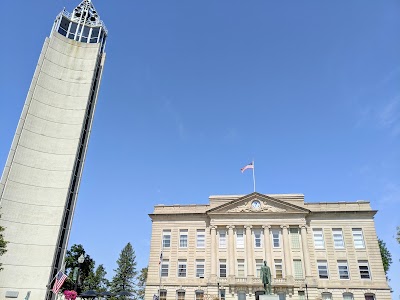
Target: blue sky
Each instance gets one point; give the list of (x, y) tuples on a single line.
[(194, 90)]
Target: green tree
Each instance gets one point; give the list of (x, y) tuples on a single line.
[(386, 256), (142, 283), (3, 244), (71, 262), (125, 275), (97, 280)]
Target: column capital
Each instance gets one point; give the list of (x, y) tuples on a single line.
[(213, 227), (230, 226), (303, 226), (266, 226), (285, 226), (248, 226)]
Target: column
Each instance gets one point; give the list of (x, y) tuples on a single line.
[(286, 250), (231, 251), (249, 252), (306, 255), (267, 245), (213, 251)]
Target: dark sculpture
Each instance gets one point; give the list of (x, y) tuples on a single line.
[(265, 275)]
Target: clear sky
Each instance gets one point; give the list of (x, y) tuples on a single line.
[(194, 90)]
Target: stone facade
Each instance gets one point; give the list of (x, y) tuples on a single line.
[(319, 250)]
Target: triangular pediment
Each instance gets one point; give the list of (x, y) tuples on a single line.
[(257, 203)]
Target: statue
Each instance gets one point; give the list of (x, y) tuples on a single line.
[(265, 275)]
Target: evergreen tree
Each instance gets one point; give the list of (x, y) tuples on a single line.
[(3, 244), (125, 275), (142, 283), (386, 256), (97, 280)]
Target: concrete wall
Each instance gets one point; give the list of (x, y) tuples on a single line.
[(37, 175)]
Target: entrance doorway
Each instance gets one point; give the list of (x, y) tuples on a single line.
[(241, 295)]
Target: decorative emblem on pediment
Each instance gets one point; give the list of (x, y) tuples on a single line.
[(256, 206)]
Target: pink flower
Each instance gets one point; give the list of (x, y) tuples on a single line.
[(70, 295)]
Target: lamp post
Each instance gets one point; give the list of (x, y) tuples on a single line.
[(219, 295), (81, 259), (305, 282)]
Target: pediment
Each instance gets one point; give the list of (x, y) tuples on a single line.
[(257, 203)]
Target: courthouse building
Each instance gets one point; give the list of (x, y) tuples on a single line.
[(314, 250)]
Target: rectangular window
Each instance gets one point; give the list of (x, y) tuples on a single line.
[(318, 238), (200, 268), (180, 295), (358, 238), (278, 268), (343, 269), (166, 239), (257, 238), (364, 269), (326, 296), (295, 238), (201, 238), (301, 295), (259, 264), (348, 296), (183, 238), (163, 294), (323, 269), (276, 240), (240, 268), (222, 239), (199, 295), (338, 238), (222, 294), (222, 268), (298, 269), (239, 238), (182, 268), (164, 268)]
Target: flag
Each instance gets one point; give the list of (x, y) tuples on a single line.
[(160, 259), (249, 166), (60, 278)]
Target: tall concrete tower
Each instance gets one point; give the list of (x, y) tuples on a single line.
[(40, 181)]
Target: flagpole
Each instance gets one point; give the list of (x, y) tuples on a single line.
[(161, 258), (254, 177)]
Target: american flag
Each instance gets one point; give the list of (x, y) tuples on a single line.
[(160, 259), (60, 278), (249, 166)]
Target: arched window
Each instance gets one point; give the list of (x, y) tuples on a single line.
[(326, 296), (180, 294), (369, 297), (348, 296)]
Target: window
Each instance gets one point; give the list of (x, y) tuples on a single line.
[(276, 238), (282, 296), (343, 269), (222, 268), (369, 297), (239, 238), (338, 238), (183, 238), (164, 268), (358, 238), (222, 239), (180, 295), (222, 294), (199, 295), (278, 268), (182, 268), (294, 238), (257, 238), (301, 295), (201, 238), (166, 241), (241, 295), (364, 269), (259, 264), (348, 296), (298, 269), (318, 238), (240, 268), (326, 296), (200, 268), (322, 269), (163, 294)]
